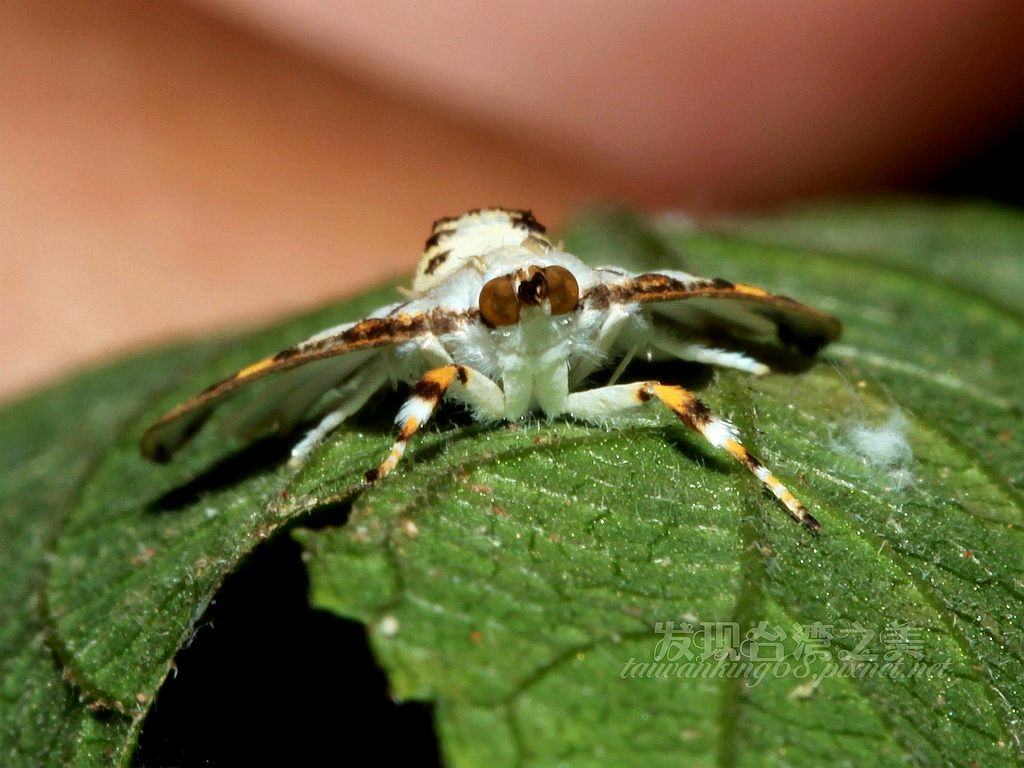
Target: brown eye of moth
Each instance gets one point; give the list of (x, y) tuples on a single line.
[(563, 290), (499, 304)]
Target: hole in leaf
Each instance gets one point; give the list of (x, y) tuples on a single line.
[(269, 680)]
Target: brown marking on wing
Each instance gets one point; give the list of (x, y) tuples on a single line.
[(655, 287), (520, 219), (436, 261), (435, 238), (526, 219), (658, 287), (367, 334), (446, 222), (442, 322)]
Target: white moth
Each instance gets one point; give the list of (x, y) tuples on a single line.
[(504, 321)]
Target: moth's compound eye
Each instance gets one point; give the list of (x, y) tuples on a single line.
[(563, 290), (499, 304)]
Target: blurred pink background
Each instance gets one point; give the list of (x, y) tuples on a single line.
[(169, 168)]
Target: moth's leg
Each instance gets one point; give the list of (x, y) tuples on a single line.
[(700, 353), (596, 405), (607, 335), (463, 383), (361, 390)]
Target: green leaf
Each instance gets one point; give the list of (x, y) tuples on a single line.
[(49, 444), (515, 577), (165, 536), (512, 576)]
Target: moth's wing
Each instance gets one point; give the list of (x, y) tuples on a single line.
[(705, 306), (291, 394), (315, 364)]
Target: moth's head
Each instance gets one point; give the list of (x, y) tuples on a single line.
[(552, 289), (463, 241)]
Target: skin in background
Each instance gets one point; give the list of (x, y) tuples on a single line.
[(168, 169)]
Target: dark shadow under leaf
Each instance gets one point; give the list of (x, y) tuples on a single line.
[(267, 679), (263, 455)]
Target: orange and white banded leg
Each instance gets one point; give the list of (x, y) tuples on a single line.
[(596, 405), (465, 384)]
